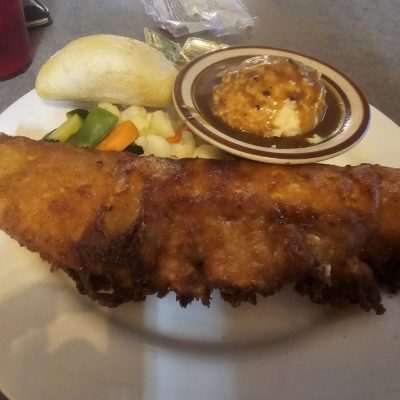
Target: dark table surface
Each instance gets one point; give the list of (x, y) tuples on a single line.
[(360, 37)]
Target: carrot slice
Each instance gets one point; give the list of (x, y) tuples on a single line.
[(120, 137), (176, 138)]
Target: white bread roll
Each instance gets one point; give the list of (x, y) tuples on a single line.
[(108, 68)]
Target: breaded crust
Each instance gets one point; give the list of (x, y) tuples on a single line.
[(124, 227)]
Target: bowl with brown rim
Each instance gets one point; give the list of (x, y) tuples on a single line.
[(344, 124)]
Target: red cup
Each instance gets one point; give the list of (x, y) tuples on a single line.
[(15, 52)]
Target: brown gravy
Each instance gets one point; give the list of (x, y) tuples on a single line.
[(202, 94)]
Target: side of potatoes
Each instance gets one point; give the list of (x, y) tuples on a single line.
[(161, 134)]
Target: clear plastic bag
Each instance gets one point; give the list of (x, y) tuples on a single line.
[(184, 17), (181, 55)]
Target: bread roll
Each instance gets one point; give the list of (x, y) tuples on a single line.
[(108, 68)]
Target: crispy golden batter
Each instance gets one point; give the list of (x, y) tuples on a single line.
[(124, 226)]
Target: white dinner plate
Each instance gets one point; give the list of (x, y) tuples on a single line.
[(56, 344)]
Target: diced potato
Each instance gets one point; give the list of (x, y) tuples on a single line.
[(161, 124), (208, 151), (188, 139), (180, 150), (139, 116), (186, 146), (176, 121), (153, 138), (157, 146), (142, 142), (111, 108)]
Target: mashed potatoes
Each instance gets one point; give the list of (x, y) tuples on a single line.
[(270, 96)]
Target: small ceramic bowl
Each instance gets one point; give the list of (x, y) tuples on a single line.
[(345, 122)]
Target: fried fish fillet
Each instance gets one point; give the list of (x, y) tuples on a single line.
[(124, 227)]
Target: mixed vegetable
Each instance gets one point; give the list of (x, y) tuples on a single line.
[(134, 129)]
